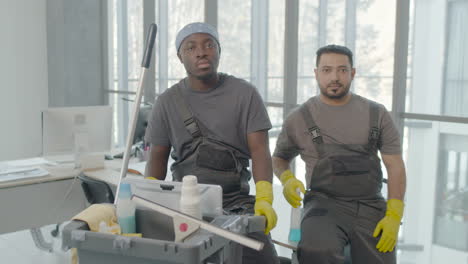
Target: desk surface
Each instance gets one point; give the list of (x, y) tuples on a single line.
[(35, 202), (57, 197), (110, 174), (55, 174)]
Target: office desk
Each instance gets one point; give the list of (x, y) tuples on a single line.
[(31, 203), (110, 174), (35, 202)]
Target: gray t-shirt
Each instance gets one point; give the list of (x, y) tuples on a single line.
[(229, 111), (345, 124)]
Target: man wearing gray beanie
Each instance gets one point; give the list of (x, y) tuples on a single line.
[(215, 123)]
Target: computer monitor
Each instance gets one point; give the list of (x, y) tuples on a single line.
[(66, 130)]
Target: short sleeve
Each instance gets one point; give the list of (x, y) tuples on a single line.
[(157, 130), (390, 136), (257, 118), (286, 147)]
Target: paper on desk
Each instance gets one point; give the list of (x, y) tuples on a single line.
[(25, 163), (12, 174)]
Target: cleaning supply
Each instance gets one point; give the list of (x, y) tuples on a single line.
[(97, 213), (295, 225), (190, 197), (290, 186), (263, 202), (389, 226), (113, 228), (126, 209)]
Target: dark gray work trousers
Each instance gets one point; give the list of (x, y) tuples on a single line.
[(244, 205), (329, 225), (267, 255)]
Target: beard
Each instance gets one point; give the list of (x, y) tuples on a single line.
[(339, 92)]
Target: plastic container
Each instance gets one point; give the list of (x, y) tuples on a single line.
[(190, 197), (157, 244), (295, 225), (168, 194), (126, 209)]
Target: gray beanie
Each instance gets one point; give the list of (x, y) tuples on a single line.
[(197, 27)]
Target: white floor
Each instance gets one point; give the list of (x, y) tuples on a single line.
[(19, 248)]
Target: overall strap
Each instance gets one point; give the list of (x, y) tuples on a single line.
[(185, 113), (374, 133), (313, 129)]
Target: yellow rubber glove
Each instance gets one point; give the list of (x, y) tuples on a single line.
[(290, 186), (389, 226), (263, 201)]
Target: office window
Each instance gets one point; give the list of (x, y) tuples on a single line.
[(335, 21), (127, 47), (275, 60), (455, 95), (274, 94), (451, 216), (374, 50), (308, 43), (234, 28), (136, 40), (436, 145)]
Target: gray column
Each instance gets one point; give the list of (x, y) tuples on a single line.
[(400, 64), (290, 55), (211, 12), (149, 17), (259, 54), (76, 58)]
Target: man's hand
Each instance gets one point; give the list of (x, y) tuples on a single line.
[(263, 202), (290, 187), (389, 226)]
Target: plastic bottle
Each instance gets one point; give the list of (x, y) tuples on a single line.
[(126, 209), (295, 225), (190, 197)]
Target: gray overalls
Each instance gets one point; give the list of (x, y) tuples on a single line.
[(214, 162), (344, 202)]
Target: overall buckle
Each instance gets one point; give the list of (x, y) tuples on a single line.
[(192, 126), (374, 133), (316, 136)]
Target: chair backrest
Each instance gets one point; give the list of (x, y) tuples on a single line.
[(96, 191)]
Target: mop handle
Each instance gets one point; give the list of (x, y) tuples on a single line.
[(145, 64)]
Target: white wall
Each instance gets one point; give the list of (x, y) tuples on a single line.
[(23, 77)]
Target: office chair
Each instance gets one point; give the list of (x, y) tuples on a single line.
[(96, 191)]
